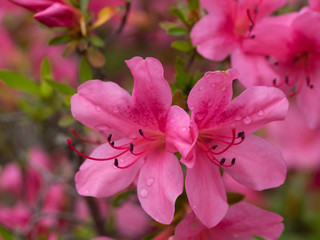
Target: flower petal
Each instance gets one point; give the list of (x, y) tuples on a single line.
[(160, 183), (246, 219), (205, 191), (35, 5), (189, 227), (102, 178), (151, 92), (213, 36), (254, 108), (210, 96), (103, 105), (259, 165)]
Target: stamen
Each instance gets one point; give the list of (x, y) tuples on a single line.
[(116, 163), (109, 137), (222, 161), (146, 138), (253, 36), (286, 79), (73, 131), (69, 141), (274, 81), (131, 147), (214, 147), (233, 161), (255, 9)]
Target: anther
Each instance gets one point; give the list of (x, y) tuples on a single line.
[(109, 137), (255, 9), (308, 80), (222, 161), (214, 147), (276, 63), (241, 135), (274, 81), (311, 86), (253, 36), (267, 57), (112, 143), (131, 147), (286, 79), (116, 163), (140, 132), (233, 161)]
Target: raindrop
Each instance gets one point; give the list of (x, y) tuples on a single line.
[(247, 120), (213, 85), (184, 129), (200, 88), (143, 193), (98, 108), (150, 181), (238, 118), (194, 206), (260, 113)]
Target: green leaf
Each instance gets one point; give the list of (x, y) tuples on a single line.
[(66, 121), (45, 89), (182, 46), (19, 82), (84, 6), (85, 70), (62, 39), (193, 4), (46, 69), (96, 41), (179, 14), (5, 234), (182, 77), (62, 88), (167, 25), (178, 31), (233, 198)]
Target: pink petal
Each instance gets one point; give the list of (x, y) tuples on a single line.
[(160, 183), (213, 36), (254, 108), (259, 165), (58, 15), (210, 96), (189, 227), (266, 7), (151, 92), (205, 191), (11, 178), (103, 105), (315, 5), (253, 68), (102, 178), (246, 219), (35, 5), (178, 136)]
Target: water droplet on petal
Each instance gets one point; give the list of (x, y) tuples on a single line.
[(194, 206), (232, 125), (200, 88), (115, 110), (260, 113), (191, 108), (172, 120), (184, 129), (238, 118), (150, 181), (213, 85), (143, 193), (247, 120), (98, 108)]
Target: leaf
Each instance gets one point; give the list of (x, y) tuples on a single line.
[(45, 89), (62, 39), (167, 25), (104, 15), (19, 82), (62, 88), (66, 121), (96, 41), (182, 46), (5, 234), (193, 4), (179, 14), (95, 57), (46, 69), (85, 71), (84, 6), (178, 31), (233, 198)]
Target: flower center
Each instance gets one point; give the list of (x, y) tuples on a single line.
[(143, 144), (242, 22), (214, 144)]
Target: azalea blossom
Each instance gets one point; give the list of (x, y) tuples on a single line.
[(221, 131), (140, 131), (242, 221)]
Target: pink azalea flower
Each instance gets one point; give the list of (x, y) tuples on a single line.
[(228, 24), (242, 221), (145, 125), (315, 5), (36, 5), (298, 143), (221, 131)]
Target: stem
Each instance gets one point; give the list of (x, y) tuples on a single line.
[(191, 61), (97, 218), (122, 24)]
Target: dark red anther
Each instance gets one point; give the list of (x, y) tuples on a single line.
[(274, 81), (131, 147), (109, 137), (222, 161), (214, 147), (233, 161), (286, 79), (116, 163), (140, 132)]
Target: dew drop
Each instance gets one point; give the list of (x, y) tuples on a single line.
[(150, 181), (247, 120), (194, 206), (115, 110), (200, 88), (184, 129), (213, 85), (143, 193), (98, 108), (238, 118), (232, 125), (260, 113)]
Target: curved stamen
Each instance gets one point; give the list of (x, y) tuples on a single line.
[(146, 138), (73, 131), (69, 141), (116, 163)]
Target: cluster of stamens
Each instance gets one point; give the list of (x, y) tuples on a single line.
[(128, 147), (252, 20), (227, 141)]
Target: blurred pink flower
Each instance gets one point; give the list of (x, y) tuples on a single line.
[(36, 5), (298, 143), (242, 221), (146, 125), (221, 131)]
